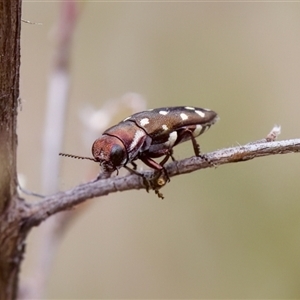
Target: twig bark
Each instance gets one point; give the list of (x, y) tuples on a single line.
[(40, 211)]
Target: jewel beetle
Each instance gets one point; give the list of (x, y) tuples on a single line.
[(150, 134)]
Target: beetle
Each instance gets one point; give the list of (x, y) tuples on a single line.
[(150, 134)]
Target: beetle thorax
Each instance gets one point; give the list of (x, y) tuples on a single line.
[(110, 152)]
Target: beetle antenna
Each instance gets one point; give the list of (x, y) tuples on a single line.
[(76, 156)]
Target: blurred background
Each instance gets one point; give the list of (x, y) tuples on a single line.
[(229, 232)]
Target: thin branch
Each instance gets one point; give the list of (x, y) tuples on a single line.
[(57, 99), (61, 201), (58, 95)]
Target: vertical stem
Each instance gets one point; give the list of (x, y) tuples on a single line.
[(10, 238)]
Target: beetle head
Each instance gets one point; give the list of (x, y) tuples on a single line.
[(110, 152)]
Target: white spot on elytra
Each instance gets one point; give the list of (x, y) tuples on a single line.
[(183, 116), (172, 139), (200, 113), (197, 130), (144, 121), (163, 112), (164, 127), (189, 107), (137, 136)]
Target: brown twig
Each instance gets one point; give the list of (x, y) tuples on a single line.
[(40, 211)]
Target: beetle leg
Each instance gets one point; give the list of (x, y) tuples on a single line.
[(155, 185), (168, 155), (195, 144), (171, 154), (164, 160), (154, 165), (145, 180), (133, 171), (134, 165)]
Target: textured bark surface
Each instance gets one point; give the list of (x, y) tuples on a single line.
[(11, 238)]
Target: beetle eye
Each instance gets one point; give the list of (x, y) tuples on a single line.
[(117, 154)]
